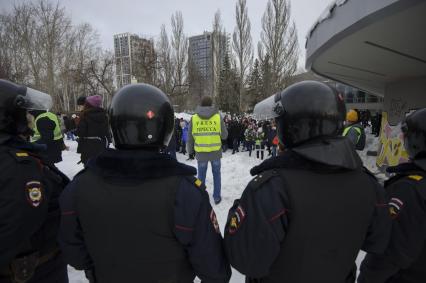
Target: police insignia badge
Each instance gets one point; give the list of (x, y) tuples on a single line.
[(213, 219), (395, 206), (236, 220), (34, 193)]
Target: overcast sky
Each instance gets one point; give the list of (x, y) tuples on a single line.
[(144, 17)]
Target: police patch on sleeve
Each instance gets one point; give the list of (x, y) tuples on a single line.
[(236, 220), (213, 220), (34, 192), (395, 206)]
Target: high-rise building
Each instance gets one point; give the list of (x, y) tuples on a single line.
[(206, 56), (134, 59)]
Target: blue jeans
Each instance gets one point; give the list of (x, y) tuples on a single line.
[(274, 150), (202, 171)]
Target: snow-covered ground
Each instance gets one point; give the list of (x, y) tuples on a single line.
[(235, 176)]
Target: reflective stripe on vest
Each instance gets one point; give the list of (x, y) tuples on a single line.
[(358, 130), (206, 133), (57, 134)]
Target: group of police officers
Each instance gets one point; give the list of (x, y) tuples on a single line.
[(135, 214)]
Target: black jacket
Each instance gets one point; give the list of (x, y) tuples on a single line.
[(306, 215), (93, 133), (29, 210), (404, 261), (137, 216), (53, 153)]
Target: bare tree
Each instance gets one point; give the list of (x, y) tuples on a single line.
[(242, 45), (217, 50), (145, 62), (102, 73), (39, 47), (165, 66), (180, 51), (279, 40), (51, 31)]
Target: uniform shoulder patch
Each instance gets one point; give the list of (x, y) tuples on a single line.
[(236, 220), (34, 193), (263, 177), (395, 207), (213, 220), (415, 177)]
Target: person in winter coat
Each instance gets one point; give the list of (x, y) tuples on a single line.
[(69, 127), (250, 136), (135, 214), (354, 131), (260, 143), (205, 134), (29, 192), (48, 132), (184, 137), (92, 130), (308, 211), (404, 260)]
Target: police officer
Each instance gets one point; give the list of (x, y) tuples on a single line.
[(404, 261), (308, 212), (135, 214), (354, 131), (29, 192)]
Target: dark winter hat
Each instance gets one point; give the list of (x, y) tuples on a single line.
[(206, 100), (81, 100), (94, 100)]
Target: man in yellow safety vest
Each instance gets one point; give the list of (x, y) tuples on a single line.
[(205, 134), (354, 131), (47, 131)]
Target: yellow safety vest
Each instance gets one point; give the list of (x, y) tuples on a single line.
[(358, 130), (206, 133), (57, 134)]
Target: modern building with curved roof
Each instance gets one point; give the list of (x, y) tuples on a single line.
[(379, 47)]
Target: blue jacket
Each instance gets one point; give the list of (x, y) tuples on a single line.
[(185, 133)]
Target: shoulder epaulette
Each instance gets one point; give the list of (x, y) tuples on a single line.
[(197, 183), (415, 177), (20, 155), (263, 177)]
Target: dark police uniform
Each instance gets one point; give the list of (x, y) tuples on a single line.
[(405, 259), (29, 216), (305, 216), (140, 216)]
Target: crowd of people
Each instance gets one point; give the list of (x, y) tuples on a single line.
[(136, 214)]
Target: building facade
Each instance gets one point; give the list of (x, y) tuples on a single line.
[(134, 59), (206, 57)]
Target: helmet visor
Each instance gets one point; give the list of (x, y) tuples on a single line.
[(34, 100), (269, 108)]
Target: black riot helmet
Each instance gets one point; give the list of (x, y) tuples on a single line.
[(305, 111), (414, 129), (141, 116), (15, 100)]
